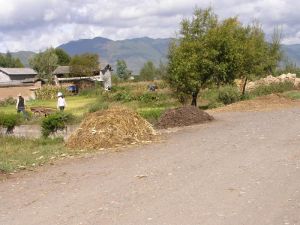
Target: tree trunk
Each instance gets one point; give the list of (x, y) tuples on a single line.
[(244, 86), (194, 98)]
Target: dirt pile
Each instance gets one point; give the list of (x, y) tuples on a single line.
[(183, 116), (111, 128)]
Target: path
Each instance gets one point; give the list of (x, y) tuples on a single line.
[(242, 169)]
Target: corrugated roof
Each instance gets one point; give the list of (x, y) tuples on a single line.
[(62, 70), (18, 71)]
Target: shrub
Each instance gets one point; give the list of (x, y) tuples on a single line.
[(8, 101), (272, 88), (162, 85), (151, 97), (122, 96), (228, 94), (119, 88), (98, 106), (9, 121), (55, 122)]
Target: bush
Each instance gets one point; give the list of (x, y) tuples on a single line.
[(272, 88), (98, 106), (8, 101), (55, 122), (151, 97), (9, 121), (228, 94), (123, 96)]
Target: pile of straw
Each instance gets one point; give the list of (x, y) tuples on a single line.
[(111, 128)]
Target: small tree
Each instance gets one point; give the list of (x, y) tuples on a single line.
[(44, 63), (84, 65), (162, 70), (122, 71), (148, 71), (259, 57)]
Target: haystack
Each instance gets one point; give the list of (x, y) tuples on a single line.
[(183, 116), (111, 128)]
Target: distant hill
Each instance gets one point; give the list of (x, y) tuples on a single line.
[(24, 56), (292, 52), (134, 51), (139, 50)]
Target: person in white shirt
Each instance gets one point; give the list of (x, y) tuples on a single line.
[(61, 102)]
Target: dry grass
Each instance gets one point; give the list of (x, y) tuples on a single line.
[(111, 128)]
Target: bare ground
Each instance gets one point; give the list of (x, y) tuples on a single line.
[(243, 168)]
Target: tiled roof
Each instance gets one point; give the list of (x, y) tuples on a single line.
[(18, 71)]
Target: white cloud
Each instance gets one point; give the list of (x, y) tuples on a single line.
[(38, 24)]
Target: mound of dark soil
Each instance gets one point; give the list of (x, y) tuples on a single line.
[(183, 116)]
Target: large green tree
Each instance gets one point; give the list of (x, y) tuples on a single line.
[(44, 63), (190, 66), (209, 52), (84, 65)]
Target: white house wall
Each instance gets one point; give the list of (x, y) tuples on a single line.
[(4, 77), (107, 80)]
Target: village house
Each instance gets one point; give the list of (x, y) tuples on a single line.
[(17, 75), (18, 80), (62, 78)]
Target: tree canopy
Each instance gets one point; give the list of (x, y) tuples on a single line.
[(122, 71), (84, 65), (212, 52), (6, 60), (63, 58), (44, 63), (148, 71)]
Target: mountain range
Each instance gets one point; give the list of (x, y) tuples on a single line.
[(135, 52)]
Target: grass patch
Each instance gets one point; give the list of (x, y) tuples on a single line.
[(295, 95), (151, 114), (23, 153)]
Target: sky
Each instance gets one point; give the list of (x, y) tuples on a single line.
[(35, 25)]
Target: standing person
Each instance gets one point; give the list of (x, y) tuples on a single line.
[(20, 106), (194, 98), (61, 102)]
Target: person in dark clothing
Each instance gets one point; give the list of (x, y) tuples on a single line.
[(194, 98), (20, 104)]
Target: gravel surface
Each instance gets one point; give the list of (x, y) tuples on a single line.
[(243, 168)]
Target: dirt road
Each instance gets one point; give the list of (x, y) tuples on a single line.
[(242, 169)]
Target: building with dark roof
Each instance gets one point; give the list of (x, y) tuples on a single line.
[(17, 75)]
